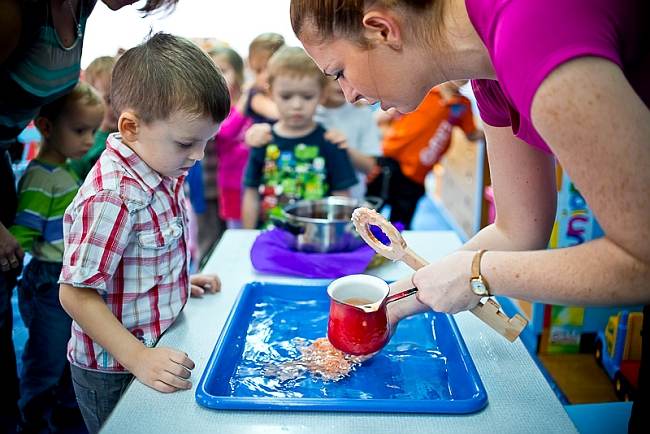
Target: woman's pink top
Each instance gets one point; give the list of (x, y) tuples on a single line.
[(528, 39)]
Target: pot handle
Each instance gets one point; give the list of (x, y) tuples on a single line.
[(401, 289), (282, 223)]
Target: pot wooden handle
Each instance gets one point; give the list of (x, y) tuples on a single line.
[(489, 312)]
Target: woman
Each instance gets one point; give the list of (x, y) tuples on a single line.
[(553, 79)]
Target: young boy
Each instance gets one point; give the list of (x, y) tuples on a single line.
[(359, 127), (98, 75), (299, 162), (413, 143), (258, 105), (48, 186), (125, 276)]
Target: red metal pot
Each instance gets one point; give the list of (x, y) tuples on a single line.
[(358, 321)]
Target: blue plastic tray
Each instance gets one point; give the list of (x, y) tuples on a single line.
[(425, 368)]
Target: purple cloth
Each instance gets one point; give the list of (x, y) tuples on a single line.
[(527, 39), (272, 253)]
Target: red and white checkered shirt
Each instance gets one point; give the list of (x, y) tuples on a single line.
[(125, 236)]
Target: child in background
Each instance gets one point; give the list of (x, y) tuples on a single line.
[(357, 124), (68, 127), (413, 143), (299, 162), (125, 275), (98, 75), (232, 152), (259, 105)]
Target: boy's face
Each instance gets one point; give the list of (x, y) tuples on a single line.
[(172, 146), (72, 134), (296, 98)]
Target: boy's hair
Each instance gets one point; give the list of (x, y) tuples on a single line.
[(266, 42), (294, 61), (83, 93), (166, 74), (100, 66), (233, 58)]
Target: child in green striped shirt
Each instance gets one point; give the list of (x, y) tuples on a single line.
[(47, 187)]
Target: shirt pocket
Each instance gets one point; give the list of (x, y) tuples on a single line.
[(159, 253)]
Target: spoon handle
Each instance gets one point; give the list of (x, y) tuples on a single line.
[(489, 311)]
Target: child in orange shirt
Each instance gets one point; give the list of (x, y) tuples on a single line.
[(415, 142)]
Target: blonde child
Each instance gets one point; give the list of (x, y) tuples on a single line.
[(68, 126), (98, 75), (356, 122), (232, 152), (299, 162), (259, 106), (125, 276)]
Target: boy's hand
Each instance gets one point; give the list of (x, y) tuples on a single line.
[(258, 135), (163, 369), (200, 283), (338, 138)]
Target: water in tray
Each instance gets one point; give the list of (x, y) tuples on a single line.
[(280, 327)]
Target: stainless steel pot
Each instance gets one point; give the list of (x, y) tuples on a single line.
[(324, 225)]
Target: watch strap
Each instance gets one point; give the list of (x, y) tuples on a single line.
[(476, 264)]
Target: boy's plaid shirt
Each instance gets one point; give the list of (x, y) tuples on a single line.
[(125, 237)]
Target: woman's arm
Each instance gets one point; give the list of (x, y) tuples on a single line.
[(525, 194), (600, 131), (523, 180)]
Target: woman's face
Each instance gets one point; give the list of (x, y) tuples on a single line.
[(381, 73)]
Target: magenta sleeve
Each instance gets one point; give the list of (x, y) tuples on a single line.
[(491, 103), (531, 38)]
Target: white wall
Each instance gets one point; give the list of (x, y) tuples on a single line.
[(235, 21)]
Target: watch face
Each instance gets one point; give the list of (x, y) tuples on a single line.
[(478, 287)]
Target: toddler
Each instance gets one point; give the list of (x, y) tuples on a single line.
[(299, 162), (67, 126), (259, 106), (98, 75), (356, 122), (125, 275), (231, 151)]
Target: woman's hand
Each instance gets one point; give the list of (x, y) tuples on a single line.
[(202, 283), (11, 254), (258, 135), (444, 285)]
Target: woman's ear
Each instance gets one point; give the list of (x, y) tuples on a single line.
[(129, 127), (381, 26), (44, 126)]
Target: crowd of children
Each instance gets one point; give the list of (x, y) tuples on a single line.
[(102, 207)]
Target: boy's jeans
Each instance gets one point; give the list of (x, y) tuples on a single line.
[(44, 358), (97, 394)]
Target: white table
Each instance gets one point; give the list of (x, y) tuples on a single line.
[(519, 398)]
